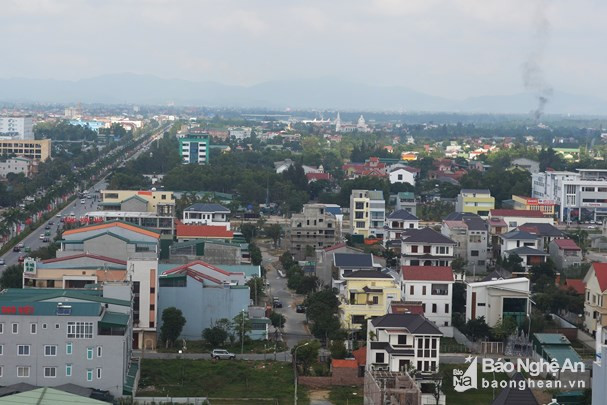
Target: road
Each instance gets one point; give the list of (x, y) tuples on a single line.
[(282, 356)]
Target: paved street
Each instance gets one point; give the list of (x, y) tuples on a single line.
[(281, 356)]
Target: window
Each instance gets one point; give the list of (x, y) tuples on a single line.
[(152, 307), (99, 351), (423, 290), (15, 328), (1, 350), (433, 308), (1, 369), (1, 328), (23, 350), (446, 308), (414, 249), (379, 357), (50, 372), (23, 372), (89, 375), (44, 326), (80, 330), (375, 300), (89, 353), (402, 339), (412, 290), (56, 326), (68, 348), (98, 373), (474, 253), (68, 370), (50, 350), (33, 328)]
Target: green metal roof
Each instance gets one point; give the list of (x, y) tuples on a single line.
[(34, 295), (115, 319), (50, 308), (136, 197), (130, 377), (561, 353), (551, 339), (48, 396), (406, 194)]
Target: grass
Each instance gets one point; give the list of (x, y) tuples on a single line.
[(220, 379), (450, 345), (473, 396), (250, 346), (346, 395)]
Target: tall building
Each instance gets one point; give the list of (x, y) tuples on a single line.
[(39, 150), (194, 147), (478, 202), (316, 226), (367, 213), (17, 127), (471, 234)]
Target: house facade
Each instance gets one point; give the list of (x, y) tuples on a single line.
[(595, 300), (433, 287), (565, 253), (316, 227), (367, 213), (497, 299), (471, 235), (426, 247), (474, 201), (206, 214)]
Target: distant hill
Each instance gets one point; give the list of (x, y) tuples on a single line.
[(312, 93)]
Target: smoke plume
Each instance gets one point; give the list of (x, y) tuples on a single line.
[(533, 75)]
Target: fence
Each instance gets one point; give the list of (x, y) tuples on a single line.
[(459, 337)]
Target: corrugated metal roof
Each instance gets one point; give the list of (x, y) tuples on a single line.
[(48, 396)]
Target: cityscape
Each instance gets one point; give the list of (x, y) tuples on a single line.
[(194, 212)]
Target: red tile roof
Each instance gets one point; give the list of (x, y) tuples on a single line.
[(429, 273), (567, 244), (360, 355), (318, 176), (89, 255), (202, 231), (516, 213), (600, 271), (337, 363), (576, 284), (112, 224)]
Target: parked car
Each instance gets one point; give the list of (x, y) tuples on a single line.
[(300, 309), (41, 236), (2, 262), (16, 249), (51, 223), (21, 245), (277, 304), (21, 259), (27, 249), (46, 240), (47, 227), (58, 215), (83, 201), (218, 354)]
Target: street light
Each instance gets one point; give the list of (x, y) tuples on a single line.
[(295, 370)]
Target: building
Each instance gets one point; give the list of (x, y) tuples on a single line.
[(580, 196), (17, 127), (471, 234), (316, 227), (347, 262), (514, 218), (209, 250), (545, 233), (396, 223), (56, 337), (194, 148), (240, 133), (157, 202), (553, 347), (530, 256), (207, 214), (426, 247), (565, 253), (515, 239), (531, 166), (164, 224), (406, 201), (365, 294), (433, 287), (49, 396), (187, 233), (497, 299), (203, 292), (39, 150), (595, 302), (17, 165), (403, 174), (599, 368), (399, 342), (367, 213), (534, 204), (325, 260), (283, 165), (478, 202)]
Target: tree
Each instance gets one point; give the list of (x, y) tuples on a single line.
[(215, 336), (478, 328), (286, 260), (12, 277), (255, 252), (306, 355), (278, 320), (459, 265), (249, 231), (242, 325), (338, 349), (505, 328), (274, 232), (459, 297), (256, 288), (173, 322)]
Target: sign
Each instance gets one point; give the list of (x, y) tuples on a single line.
[(29, 265), (13, 310)]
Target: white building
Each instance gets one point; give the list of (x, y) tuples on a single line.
[(143, 273), (579, 196), (367, 213), (17, 127), (398, 342), (426, 247), (16, 165), (496, 299), (515, 239), (402, 174), (433, 287), (240, 133), (515, 218), (207, 214)]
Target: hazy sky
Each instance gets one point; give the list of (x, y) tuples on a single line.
[(451, 48)]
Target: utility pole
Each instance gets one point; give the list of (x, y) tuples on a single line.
[(242, 334)]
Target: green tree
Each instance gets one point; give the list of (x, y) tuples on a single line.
[(255, 252), (278, 320), (504, 328), (274, 231), (459, 297), (286, 260), (173, 322), (12, 277), (249, 231), (338, 349), (242, 325), (215, 336), (477, 329), (256, 289), (307, 355)]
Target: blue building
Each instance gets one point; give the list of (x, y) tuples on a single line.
[(194, 148)]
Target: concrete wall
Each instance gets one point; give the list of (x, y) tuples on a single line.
[(134, 205)]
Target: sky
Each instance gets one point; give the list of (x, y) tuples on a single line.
[(448, 48)]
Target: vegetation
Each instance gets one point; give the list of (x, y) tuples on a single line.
[(307, 353), (321, 310), (173, 322), (12, 277)]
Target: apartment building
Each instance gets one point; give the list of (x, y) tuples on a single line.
[(406, 201), (194, 148), (207, 214), (433, 287), (367, 213), (399, 342), (475, 201), (426, 247), (17, 127), (595, 298), (471, 235), (56, 337), (315, 226), (497, 299), (580, 196), (17, 165), (39, 150)]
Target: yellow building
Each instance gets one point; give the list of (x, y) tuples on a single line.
[(367, 213), (534, 204), (157, 202), (475, 201), (29, 148), (365, 294)]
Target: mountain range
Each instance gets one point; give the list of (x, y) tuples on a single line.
[(322, 93)]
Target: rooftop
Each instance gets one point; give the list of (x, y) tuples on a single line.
[(113, 224), (517, 234), (48, 396), (541, 229), (202, 231), (207, 207), (526, 251), (358, 260), (425, 235), (515, 213), (403, 215), (566, 244), (414, 323), (427, 273), (366, 274), (475, 191)]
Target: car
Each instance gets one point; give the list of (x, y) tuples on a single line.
[(62, 219), (51, 223), (21, 245), (83, 201), (275, 299), (16, 249), (27, 249), (46, 240), (277, 304), (72, 214), (58, 215), (21, 259), (47, 227), (300, 309), (41, 236), (218, 354), (2, 262)]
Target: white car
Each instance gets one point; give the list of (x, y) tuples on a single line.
[(2, 262), (218, 354), (83, 201), (41, 236)]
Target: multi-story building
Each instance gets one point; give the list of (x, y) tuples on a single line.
[(580, 196), (546, 207), (316, 227), (365, 294), (207, 214), (156, 202), (15, 127), (426, 247), (396, 223), (545, 233), (367, 213), (497, 299), (17, 165), (39, 150), (400, 342), (194, 148), (433, 287), (477, 202), (406, 201), (471, 234), (565, 253), (56, 337), (595, 298), (515, 218)]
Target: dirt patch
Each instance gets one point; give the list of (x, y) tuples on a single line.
[(318, 394)]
